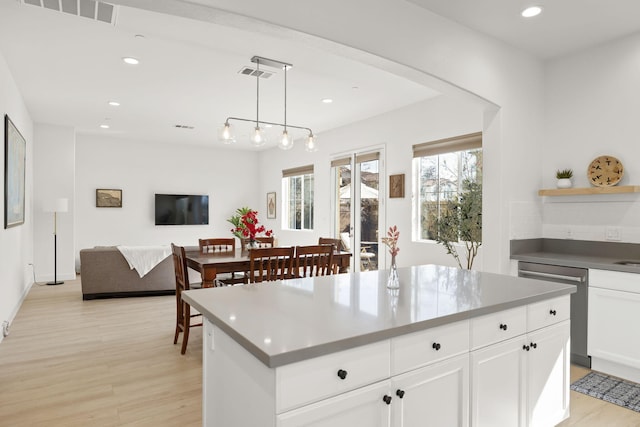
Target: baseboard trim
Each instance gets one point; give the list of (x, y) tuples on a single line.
[(16, 309)]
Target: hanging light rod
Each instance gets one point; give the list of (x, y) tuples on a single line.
[(286, 141)]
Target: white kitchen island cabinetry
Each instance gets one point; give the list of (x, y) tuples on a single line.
[(343, 350), (520, 374), (614, 313)]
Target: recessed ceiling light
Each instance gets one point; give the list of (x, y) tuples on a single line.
[(327, 100), (131, 61), (114, 103), (104, 126), (532, 11), (268, 125)]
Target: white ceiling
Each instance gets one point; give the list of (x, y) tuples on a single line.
[(563, 27), (67, 67)]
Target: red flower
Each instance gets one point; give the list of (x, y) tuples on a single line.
[(249, 226)]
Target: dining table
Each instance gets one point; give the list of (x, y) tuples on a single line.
[(210, 264)]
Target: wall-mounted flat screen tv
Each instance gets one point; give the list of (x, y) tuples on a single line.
[(181, 209)]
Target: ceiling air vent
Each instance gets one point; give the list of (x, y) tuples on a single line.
[(92, 9), (248, 71), (184, 127)]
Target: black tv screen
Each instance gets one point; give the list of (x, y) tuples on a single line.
[(182, 209)]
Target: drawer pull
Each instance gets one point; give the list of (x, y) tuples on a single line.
[(526, 347), (436, 346), (503, 326), (400, 393), (552, 312), (534, 345), (387, 399), (342, 374)]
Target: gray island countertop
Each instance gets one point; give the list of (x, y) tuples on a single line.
[(293, 320)]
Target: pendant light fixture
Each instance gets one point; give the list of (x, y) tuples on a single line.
[(258, 138)]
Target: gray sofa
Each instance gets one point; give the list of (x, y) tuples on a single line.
[(104, 273)]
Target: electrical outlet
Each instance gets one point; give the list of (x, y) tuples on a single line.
[(612, 233)]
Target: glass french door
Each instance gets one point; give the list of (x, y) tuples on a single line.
[(357, 204)]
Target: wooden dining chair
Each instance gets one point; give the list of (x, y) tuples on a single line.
[(183, 309), (263, 242), (217, 245), (314, 260), (267, 264), (331, 241)]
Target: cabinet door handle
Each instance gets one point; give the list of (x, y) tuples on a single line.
[(400, 393), (534, 345), (503, 326), (436, 346), (525, 347), (342, 374), (552, 312), (387, 399)]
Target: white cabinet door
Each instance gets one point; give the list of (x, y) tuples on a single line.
[(498, 394), (548, 375), (612, 316), (436, 395), (362, 407)]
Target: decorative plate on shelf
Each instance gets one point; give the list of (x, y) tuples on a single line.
[(605, 171)]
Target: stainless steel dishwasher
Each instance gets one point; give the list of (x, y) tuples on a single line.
[(579, 301)]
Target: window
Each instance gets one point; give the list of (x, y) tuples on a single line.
[(297, 190), (444, 170)]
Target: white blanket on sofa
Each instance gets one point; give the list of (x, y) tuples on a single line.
[(144, 258)]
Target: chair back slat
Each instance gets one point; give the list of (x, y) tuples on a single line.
[(314, 260), (267, 264), (217, 245)]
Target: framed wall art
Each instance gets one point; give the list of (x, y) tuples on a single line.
[(271, 205), (396, 185), (15, 153), (108, 198)]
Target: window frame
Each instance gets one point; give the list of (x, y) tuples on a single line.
[(307, 204)]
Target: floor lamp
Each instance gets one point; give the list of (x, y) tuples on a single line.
[(61, 205)]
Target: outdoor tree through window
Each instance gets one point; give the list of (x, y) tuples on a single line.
[(445, 169)]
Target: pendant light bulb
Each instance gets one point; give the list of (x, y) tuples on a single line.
[(286, 141), (311, 144), (258, 139), (226, 134)]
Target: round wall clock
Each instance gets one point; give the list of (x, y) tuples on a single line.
[(605, 171)]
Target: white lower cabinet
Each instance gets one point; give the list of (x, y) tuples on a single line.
[(523, 381), (614, 312), (437, 395), (361, 407)]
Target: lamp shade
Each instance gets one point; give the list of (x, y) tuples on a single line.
[(58, 205)]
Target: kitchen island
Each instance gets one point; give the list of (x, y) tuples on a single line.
[(343, 350)]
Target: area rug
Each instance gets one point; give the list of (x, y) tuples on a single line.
[(610, 389)]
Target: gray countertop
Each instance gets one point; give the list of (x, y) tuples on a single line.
[(577, 253), (293, 320)]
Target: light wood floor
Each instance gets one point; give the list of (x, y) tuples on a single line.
[(69, 362)]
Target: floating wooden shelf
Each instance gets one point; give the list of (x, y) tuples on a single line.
[(591, 190)]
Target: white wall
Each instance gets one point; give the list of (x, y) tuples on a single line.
[(54, 178), (141, 169), (592, 109), (16, 243), (397, 131)]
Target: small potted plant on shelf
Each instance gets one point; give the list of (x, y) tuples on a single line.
[(564, 178)]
